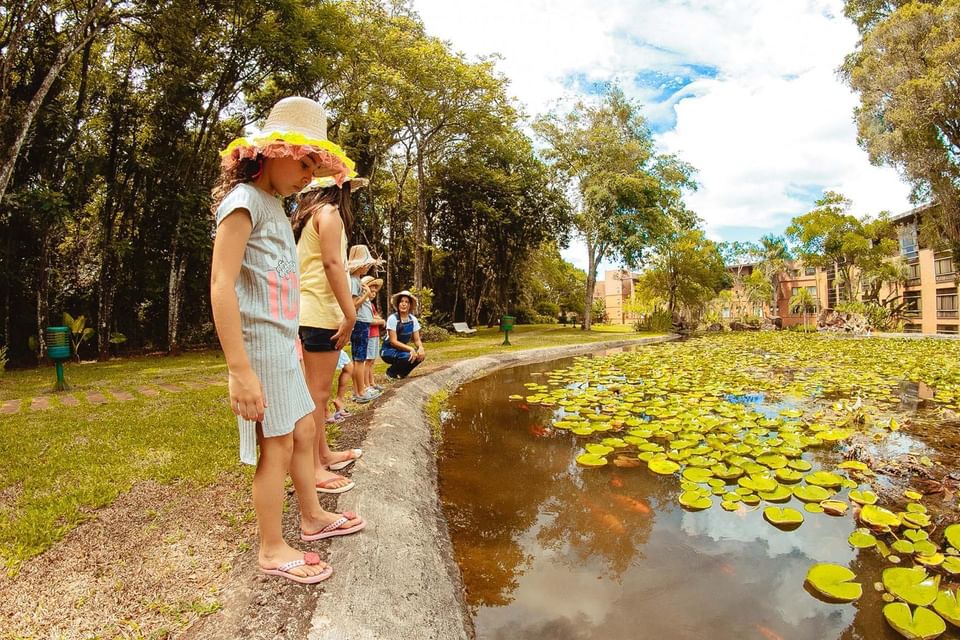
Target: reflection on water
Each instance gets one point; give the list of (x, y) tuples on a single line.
[(552, 551)]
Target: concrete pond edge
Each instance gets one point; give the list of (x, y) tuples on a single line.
[(398, 577)]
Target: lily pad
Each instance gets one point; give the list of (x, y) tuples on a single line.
[(786, 518), (758, 483), (598, 449), (663, 467), (946, 605), (879, 518), (921, 624), (824, 479), (834, 507), (834, 582), (861, 539), (952, 534), (856, 465), (863, 497), (789, 475), (809, 493), (591, 460), (951, 564), (695, 500), (697, 474), (911, 584)]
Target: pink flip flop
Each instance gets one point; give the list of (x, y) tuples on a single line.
[(333, 529), (324, 486), (309, 558), (355, 454)]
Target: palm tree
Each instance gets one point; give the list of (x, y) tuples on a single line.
[(772, 253), (803, 301)]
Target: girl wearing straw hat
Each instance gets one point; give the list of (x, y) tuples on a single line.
[(358, 265), (327, 313), (403, 349), (255, 297)]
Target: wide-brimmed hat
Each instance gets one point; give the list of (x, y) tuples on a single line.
[(360, 257), (296, 127), (353, 182), (395, 300), (370, 281)]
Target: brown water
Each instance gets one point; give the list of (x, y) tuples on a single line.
[(550, 550)]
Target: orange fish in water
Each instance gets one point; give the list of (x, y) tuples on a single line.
[(538, 430), (523, 407), (613, 523), (616, 482), (728, 570), (626, 502), (767, 633)]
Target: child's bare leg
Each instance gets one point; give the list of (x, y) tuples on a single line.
[(313, 517), (368, 365), (268, 496), (341, 400), (319, 367), (359, 383)]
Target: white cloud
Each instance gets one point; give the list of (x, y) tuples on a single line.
[(745, 90)]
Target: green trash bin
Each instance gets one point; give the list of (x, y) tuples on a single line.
[(506, 325), (58, 350)]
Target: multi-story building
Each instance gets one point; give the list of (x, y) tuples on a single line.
[(616, 290)]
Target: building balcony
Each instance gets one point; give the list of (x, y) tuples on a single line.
[(912, 282), (948, 315), (946, 277)]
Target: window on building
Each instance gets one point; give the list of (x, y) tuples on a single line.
[(725, 312), (913, 272), (908, 239), (912, 304), (809, 271), (946, 303), (948, 329), (943, 267), (912, 328)]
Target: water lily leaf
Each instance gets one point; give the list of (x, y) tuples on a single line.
[(695, 500), (951, 564), (924, 547), (834, 582), (952, 535), (934, 560), (726, 472), (915, 519), (878, 517), (599, 449), (730, 506), (834, 507), (863, 497), (824, 479), (811, 493), (582, 431), (697, 474), (834, 435), (855, 465), (516, 397), (911, 584), (786, 518), (813, 507), (591, 460), (946, 605), (902, 546), (916, 507), (915, 535), (800, 465), (616, 443), (789, 475), (861, 539), (663, 467), (758, 483), (922, 624), (751, 499), (913, 495), (772, 460), (780, 494)]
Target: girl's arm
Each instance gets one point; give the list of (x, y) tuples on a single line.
[(329, 227), (246, 394), (360, 299), (420, 354)]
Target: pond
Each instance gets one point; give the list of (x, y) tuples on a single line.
[(550, 548)]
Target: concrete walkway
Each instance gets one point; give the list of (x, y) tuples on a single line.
[(398, 578)]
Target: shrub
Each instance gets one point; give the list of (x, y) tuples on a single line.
[(424, 303), (434, 333), (878, 317), (548, 309), (525, 315), (659, 321)]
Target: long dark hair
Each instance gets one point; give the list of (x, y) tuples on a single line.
[(310, 202), (246, 170)]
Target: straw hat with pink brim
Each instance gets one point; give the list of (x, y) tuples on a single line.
[(296, 127)]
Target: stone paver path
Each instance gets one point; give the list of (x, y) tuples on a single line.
[(65, 400)]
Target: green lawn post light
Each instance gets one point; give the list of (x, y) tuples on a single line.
[(506, 324), (58, 349)]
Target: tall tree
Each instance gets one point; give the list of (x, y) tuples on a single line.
[(772, 255), (626, 195), (685, 269), (828, 237), (905, 70)]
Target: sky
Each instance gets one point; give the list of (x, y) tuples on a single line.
[(746, 91)]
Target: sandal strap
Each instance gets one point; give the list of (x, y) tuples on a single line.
[(336, 524), (293, 564)]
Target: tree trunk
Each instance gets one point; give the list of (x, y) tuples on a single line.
[(591, 285), (419, 226), (178, 271), (74, 43), (43, 288)]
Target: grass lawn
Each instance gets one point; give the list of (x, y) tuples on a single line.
[(58, 466)]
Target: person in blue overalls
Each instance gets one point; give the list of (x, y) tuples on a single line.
[(402, 349)]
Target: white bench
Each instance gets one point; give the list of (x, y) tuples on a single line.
[(463, 328)]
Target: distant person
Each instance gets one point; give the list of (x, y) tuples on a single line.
[(345, 369), (359, 265), (256, 302), (403, 349), (376, 328), (327, 313)]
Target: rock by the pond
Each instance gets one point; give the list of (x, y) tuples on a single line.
[(842, 322)]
